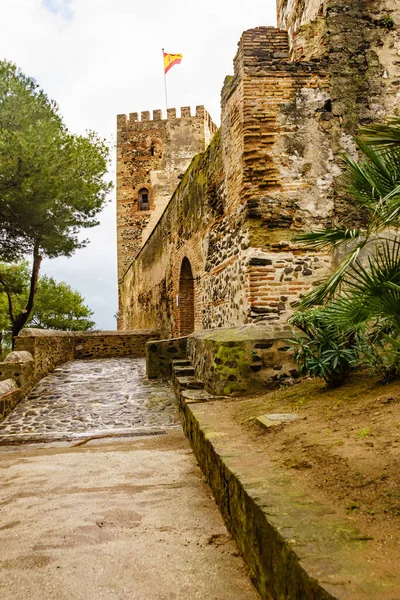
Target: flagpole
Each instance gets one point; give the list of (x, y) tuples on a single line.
[(165, 84)]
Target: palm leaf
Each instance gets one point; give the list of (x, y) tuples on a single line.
[(348, 313), (378, 283), (321, 239), (368, 182), (383, 135), (329, 287)]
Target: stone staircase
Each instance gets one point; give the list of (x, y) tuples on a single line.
[(188, 388)]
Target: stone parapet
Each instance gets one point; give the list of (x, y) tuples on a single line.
[(157, 115), (109, 344), (10, 395), (19, 366)]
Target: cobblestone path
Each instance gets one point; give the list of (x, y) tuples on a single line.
[(103, 396)]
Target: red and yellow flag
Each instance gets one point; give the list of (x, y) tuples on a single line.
[(170, 60)]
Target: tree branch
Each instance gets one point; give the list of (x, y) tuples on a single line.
[(25, 313), (9, 299)]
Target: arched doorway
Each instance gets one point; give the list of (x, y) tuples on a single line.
[(186, 299)]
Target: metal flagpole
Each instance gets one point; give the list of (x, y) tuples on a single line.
[(165, 83)]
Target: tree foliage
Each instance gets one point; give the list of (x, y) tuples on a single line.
[(57, 305), (51, 181)]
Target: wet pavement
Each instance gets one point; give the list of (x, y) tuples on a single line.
[(92, 397)]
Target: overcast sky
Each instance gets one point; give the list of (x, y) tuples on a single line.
[(99, 58)]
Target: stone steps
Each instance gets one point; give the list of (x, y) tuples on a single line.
[(186, 385)]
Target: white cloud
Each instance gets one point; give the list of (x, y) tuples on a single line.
[(62, 7), (98, 58)]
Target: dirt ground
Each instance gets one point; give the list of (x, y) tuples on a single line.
[(344, 450)]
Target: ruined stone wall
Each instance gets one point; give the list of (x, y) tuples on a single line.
[(152, 154), (239, 204), (304, 20), (359, 42), (288, 170), (359, 46)]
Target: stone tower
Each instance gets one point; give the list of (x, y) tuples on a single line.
[(152, 156)]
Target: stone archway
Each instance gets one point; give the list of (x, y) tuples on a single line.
[(186, 299)]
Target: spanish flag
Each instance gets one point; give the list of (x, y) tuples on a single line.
[(170, 60)]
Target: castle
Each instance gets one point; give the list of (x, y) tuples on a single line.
[(206, 219)]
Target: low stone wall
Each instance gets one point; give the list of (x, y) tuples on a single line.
[(106, 344), (39, 351), (19, 367), (242, 360), (295, 546), (159, 356), (10, 395), (48, 349)]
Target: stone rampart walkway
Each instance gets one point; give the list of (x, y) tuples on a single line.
[(92, 397)]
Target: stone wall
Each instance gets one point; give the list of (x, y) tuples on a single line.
[(48, 349), (160, 354), (108, 344), (242, 360), (150, 287), (20, 367), (10, 395), (360, 45), (234, 214)]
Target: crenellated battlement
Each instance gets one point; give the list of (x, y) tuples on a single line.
[(157, 115)]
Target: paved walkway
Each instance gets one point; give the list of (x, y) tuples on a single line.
[(127, 519), (92, 398), (122, 514)]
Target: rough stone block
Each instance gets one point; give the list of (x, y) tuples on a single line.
[(273, 420)]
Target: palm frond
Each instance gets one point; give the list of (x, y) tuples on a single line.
[(348, 313), (378, 283), (321, 239), (370, 181), (383, 135), (330, 286)]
